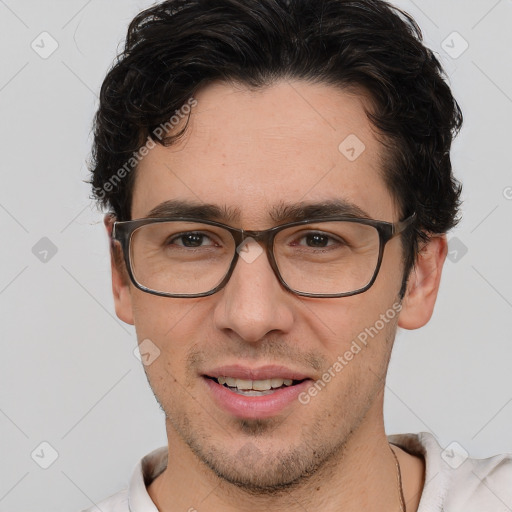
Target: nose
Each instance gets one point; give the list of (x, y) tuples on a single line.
[(253, 303)]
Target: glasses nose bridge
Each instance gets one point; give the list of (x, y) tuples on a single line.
[(263, 237)]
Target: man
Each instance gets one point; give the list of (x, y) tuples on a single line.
[(280, 186)]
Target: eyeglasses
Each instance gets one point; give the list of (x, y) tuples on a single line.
[(186, 257)]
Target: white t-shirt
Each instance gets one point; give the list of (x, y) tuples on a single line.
[(453, 483)]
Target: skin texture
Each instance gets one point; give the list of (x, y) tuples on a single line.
[(252, 150)]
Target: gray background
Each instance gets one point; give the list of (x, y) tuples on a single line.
[(68, 373)]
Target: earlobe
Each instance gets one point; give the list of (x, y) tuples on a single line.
[(120, 280), (423, 285)]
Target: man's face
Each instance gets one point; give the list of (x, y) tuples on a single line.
[(251, 151)]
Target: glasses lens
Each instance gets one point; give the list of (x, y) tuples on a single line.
[(327, 257), (180, 257)]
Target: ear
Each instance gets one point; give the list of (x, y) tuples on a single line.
[(120, 278), (423, 284)]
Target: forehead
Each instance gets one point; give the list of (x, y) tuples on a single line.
[(250, 151)]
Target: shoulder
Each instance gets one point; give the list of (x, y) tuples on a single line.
[(455, 482), (482, 485), (116, 503), (136, 498)]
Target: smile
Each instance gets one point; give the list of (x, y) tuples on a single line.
[(262, 387), (255, 393)]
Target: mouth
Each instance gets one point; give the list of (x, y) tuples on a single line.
[(262, 387), (255, 394)]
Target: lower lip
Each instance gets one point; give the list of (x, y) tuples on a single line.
[(255, 407)]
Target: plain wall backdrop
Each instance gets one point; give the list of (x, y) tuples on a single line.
[(69, 377)]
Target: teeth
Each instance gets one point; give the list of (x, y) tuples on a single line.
[(275, 383), (257, 385), (243, 384), (229, 381), (262, 385)]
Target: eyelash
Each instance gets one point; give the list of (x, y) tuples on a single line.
[(302, 236)]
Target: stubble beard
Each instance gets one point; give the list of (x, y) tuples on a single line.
[(265, 473), (257, 471)]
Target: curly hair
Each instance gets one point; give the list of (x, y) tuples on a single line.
[(178, 46)]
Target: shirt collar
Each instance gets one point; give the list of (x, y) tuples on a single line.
[(145, 472)]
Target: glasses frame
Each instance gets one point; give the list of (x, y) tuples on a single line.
[(122, 232)]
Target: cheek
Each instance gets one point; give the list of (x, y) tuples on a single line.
[(168, 328), (338, 323), (353, 383), (166, 335), (161, 318)]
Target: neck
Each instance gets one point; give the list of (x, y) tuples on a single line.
[(362, 475)]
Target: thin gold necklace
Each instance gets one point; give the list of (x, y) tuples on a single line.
[(399, 480)]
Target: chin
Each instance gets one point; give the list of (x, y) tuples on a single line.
[(257, 474), (264, 468)]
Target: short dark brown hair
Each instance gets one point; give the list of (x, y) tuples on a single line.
[(178, 46)]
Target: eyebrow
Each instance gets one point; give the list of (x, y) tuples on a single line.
[(280, 213)]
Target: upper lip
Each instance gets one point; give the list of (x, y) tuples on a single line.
[(261, 373)]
